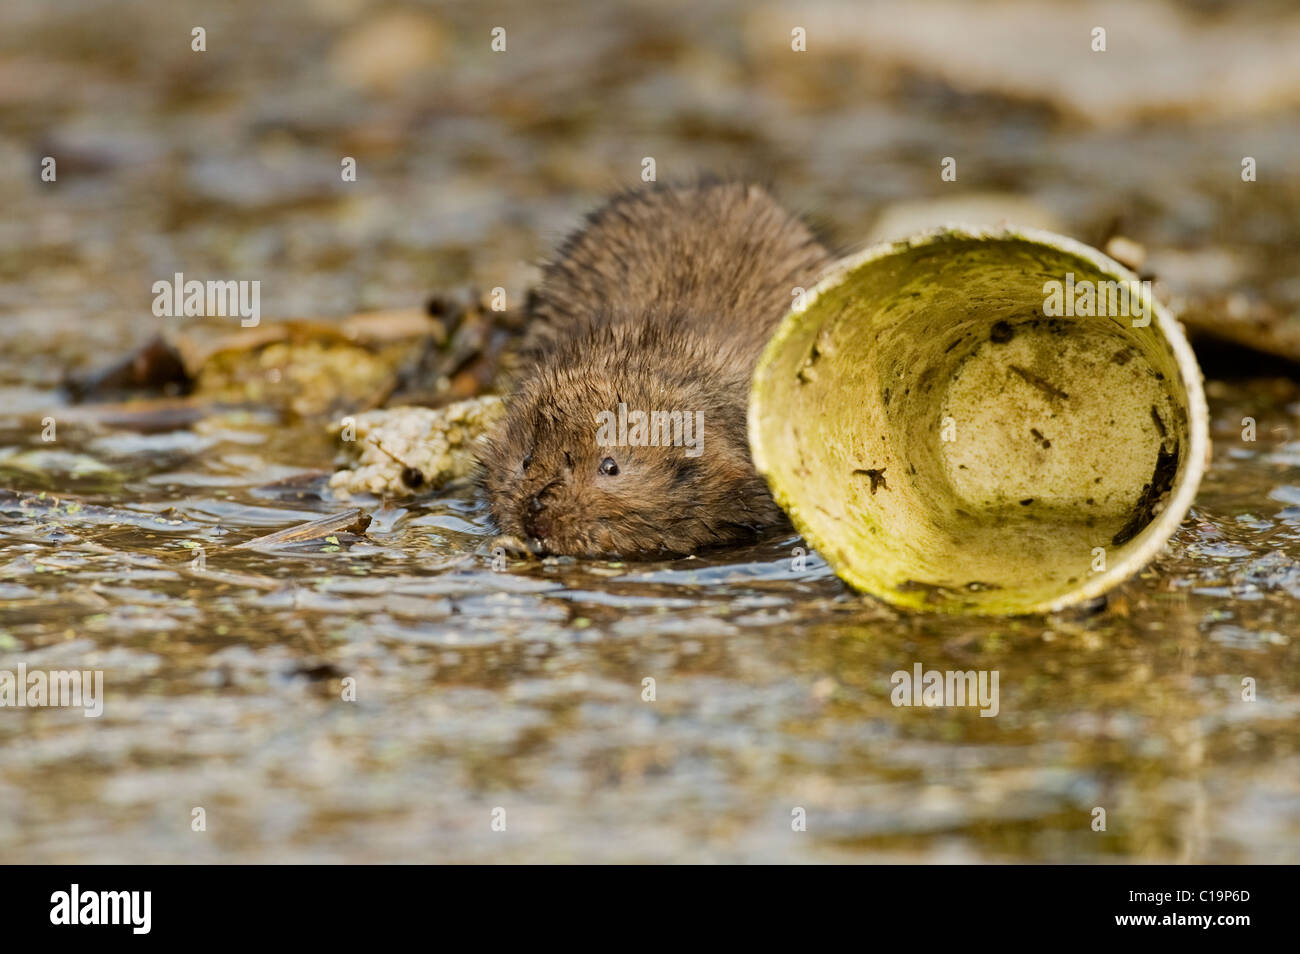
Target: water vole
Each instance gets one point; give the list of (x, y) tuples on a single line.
[(644, 332)]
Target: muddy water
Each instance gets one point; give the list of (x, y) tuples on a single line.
[(522, 688)]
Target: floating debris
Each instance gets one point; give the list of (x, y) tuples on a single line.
[(335, 529), (404, 450)]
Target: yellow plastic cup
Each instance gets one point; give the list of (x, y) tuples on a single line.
[(981, 420)]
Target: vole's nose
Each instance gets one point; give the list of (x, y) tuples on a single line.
[(535, 524), (537, 527)]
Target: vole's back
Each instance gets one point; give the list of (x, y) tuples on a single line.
[(724, 256)]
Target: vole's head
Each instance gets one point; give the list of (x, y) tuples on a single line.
[(612, 449)]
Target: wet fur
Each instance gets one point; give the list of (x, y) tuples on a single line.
[(663, 300)]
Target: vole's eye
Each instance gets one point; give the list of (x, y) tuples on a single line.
[(528, 462), (609, 467)]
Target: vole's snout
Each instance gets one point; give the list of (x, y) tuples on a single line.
[(536, 523), (536, 519)]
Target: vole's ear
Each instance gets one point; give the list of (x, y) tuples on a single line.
[(686, 470), (724, 461)]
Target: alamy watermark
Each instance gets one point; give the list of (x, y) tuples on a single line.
[(72, 688), (651, 429), (1105, 299), (132, 908), (195, 299), (941, 688)]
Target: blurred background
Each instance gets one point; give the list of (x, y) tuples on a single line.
[(471, 164), (523, 689)]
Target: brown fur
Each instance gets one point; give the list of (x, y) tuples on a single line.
[(663, 301)]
